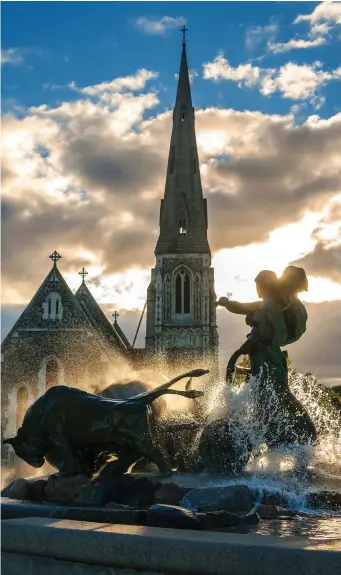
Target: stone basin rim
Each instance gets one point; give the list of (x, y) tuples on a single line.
[(157, 550)]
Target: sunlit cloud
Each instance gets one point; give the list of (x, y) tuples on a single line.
[(159, 26), (12, 56), (86, 179), (292, 81)]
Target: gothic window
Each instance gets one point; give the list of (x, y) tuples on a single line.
[(22, 405), (182, 293), (182, 227), (178, 294), (52, 373), (183, 114), (52, 306)]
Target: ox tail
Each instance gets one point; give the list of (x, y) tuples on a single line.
[(150, 397), (163, 389)]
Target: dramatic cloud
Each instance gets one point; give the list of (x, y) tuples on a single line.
[(86, 177), (295, 44), (133, 83), (323, 262), (324, 17), (325, 259), (12, 56), (159, 26), (293, 81)]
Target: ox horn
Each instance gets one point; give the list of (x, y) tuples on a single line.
[(9, 441)]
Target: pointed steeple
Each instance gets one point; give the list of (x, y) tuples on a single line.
[(183, 94), (183, 214)]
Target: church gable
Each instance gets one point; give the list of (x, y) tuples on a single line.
[(52, 308), (98, 318)]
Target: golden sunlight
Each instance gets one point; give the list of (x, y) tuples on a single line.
[(212, 142), (236, 268)]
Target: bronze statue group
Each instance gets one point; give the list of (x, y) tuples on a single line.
[(73, 429), (278, 319)]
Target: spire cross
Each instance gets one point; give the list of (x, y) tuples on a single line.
[(55, 257), (83, 273), (115, 315), (184, 30)]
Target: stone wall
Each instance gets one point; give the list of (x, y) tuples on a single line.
[(36, 546)]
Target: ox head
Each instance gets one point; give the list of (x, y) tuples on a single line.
[(28, 449)]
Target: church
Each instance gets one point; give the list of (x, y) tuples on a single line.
[(65, 338)]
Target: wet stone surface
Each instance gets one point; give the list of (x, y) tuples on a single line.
[(233, 498), (146, 501)]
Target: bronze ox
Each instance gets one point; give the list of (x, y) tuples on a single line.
[(69, 428)]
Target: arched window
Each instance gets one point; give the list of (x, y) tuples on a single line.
[(52, 373), (182, 293), (182, 227), (52, 306), (22, 405)]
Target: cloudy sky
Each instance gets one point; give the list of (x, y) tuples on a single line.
[(87, 92)]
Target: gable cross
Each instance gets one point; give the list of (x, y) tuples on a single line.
[(55, 257), (83, 273), (184, 30), (115, 315)]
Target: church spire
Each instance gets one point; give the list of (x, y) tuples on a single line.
[(183, 95), (183, 214)]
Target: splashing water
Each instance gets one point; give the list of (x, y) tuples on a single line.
[(290, 471)]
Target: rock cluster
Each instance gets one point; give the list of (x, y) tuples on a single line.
[(152, 503), (143, 501)]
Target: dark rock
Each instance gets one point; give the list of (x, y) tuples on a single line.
[(173, 517), (269, 498), (67, 490), (234, 498), (37, 489), (324, 500), (20, 489), (5, 492), (51, 482), (274, 512), (216, 520), (249, 519), (86, 495), (169, 493), (126, 490)]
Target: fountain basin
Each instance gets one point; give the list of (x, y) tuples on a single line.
[(44, 545)]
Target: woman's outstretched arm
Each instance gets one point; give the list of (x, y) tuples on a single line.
[(238, 307)]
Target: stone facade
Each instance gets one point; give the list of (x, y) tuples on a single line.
[(56, 341)]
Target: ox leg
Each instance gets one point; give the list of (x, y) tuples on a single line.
[(148, 450), (69, 464)]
